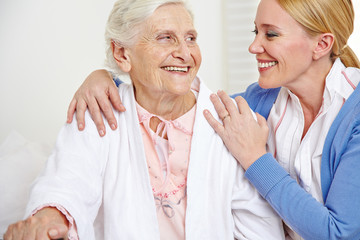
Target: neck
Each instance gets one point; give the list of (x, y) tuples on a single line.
[(310, 91), (167, 106)]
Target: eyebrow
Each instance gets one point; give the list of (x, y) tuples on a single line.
[(159, 31), (268, 26)]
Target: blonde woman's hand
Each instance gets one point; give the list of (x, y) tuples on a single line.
[(97, 93), (244, 137)]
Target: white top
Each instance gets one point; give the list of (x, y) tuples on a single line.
[(286, 122), (106, 181)]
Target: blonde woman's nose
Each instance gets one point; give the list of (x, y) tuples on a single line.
[(256, 46)]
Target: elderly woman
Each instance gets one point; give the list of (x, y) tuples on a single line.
[(158, 176), (308, 91)]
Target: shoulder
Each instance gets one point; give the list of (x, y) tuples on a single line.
[(254, 91), (259, 99)]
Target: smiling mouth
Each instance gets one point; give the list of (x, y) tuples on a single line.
[(176, 69), (267, 64)]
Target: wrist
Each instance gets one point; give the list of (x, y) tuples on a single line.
[(249, 160), (52, 213)]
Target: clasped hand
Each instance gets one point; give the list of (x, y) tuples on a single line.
[(46, 224)]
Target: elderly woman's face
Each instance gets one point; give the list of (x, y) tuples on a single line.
[(166, 57), (284, 51)]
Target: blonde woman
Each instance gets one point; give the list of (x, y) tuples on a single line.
[(307, 89)]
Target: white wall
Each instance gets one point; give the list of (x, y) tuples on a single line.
[(47, 48), (208, 21)]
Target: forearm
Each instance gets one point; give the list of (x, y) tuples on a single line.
[(308, 217)]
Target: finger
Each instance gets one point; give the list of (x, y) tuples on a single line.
[(228, 102), (96, 116), (10, 233), (58, 231), (71, 110), (18, 230), (243, 106), (261, 121), (115, 98), (219, 107), (29, 228), (80, 114), (42, 234), (16, 235), (106, 108), (7, 234), (218, 127)]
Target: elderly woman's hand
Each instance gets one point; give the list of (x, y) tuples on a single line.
[(244, 136), (48, 223), (98, 93)]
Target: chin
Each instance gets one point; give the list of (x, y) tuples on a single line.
[(183, 88), (267, 83), (182, 91)]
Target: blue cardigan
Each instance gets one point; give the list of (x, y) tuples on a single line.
[(339, 217)]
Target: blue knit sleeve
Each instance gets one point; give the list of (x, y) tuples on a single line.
[(338, 218), (117, 81)]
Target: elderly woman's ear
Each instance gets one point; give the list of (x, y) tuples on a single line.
[(121, 57)]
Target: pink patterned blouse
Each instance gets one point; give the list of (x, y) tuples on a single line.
[(167, 153)]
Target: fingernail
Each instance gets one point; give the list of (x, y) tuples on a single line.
[(101, 132), (113, 126), (80, 126), (53, 233)]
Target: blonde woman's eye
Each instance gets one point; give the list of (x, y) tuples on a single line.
[(271, 34), (255, 31)]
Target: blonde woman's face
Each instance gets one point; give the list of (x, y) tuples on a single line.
[(166, 57), (284, 51)]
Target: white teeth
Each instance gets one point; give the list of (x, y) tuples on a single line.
[(176, 69), (267, 64)]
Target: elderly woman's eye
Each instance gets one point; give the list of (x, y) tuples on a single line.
[(164, 37), (191, 39)]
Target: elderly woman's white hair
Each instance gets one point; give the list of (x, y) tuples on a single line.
[(124, 21)]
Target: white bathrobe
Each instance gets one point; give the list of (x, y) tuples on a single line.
[(104, 183)]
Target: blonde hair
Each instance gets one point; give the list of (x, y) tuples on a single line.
[(124, 23), (327, 16)]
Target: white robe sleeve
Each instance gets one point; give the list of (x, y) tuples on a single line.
[(72, 177), (254, 218)]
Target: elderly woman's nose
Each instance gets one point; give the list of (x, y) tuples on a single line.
[(182, 50), (256, 46)]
